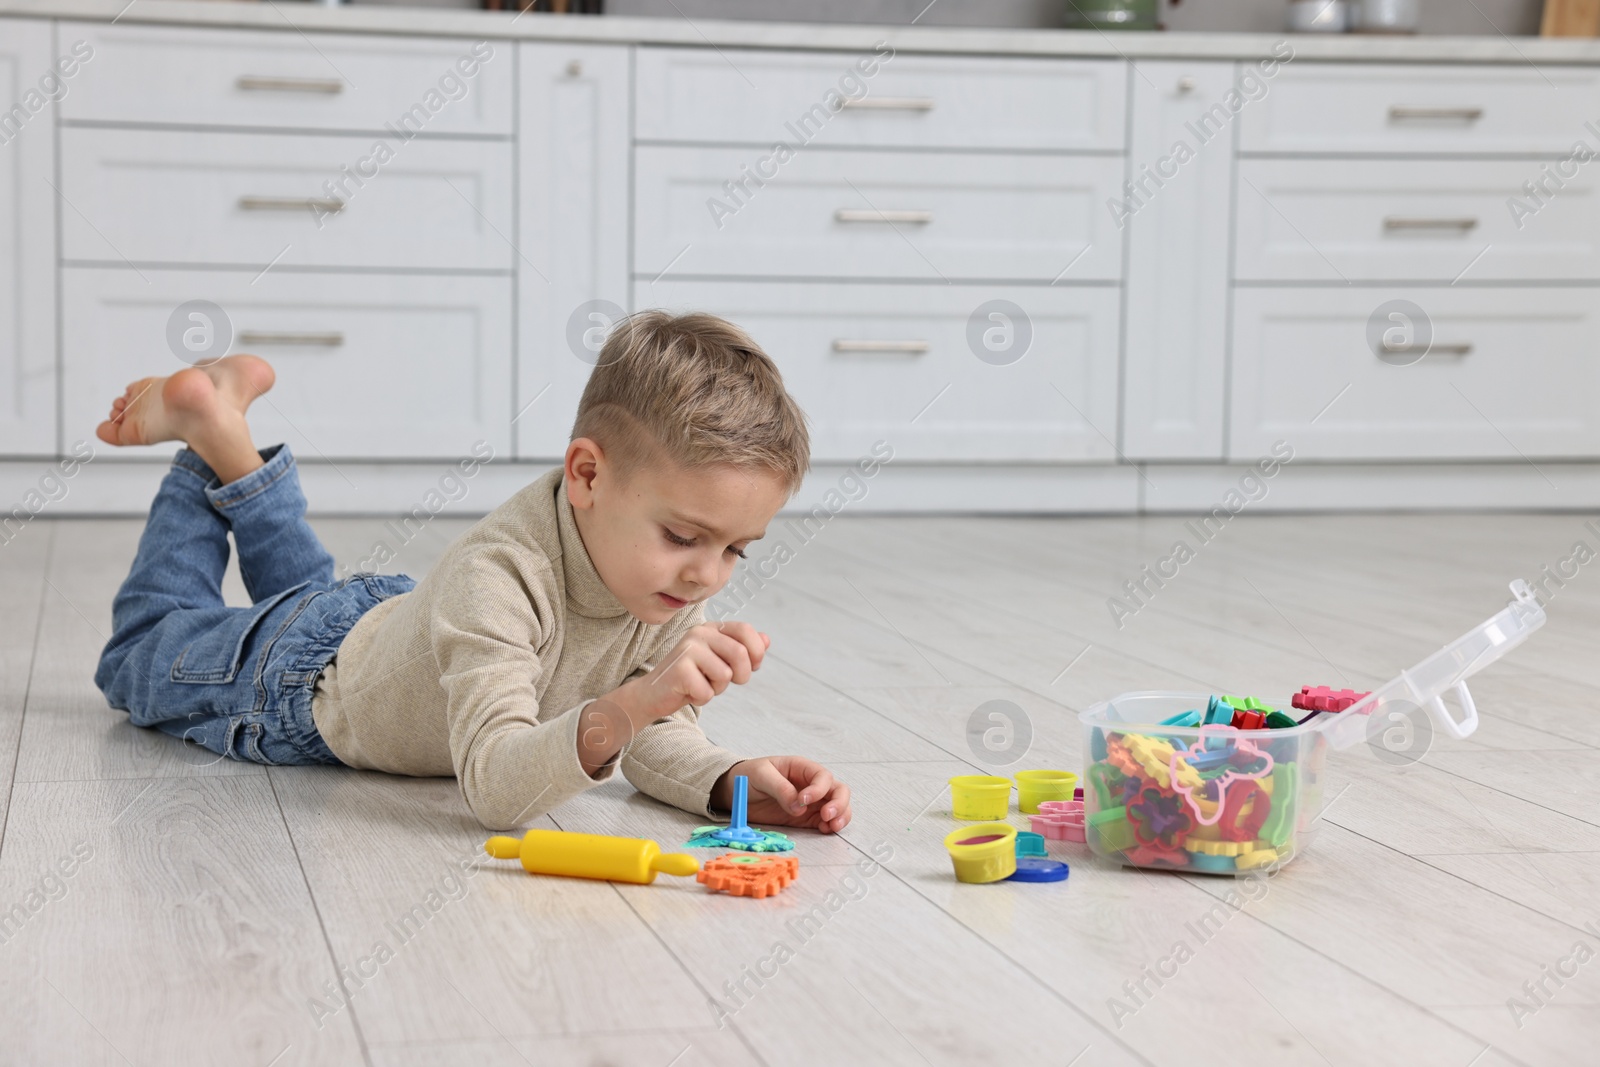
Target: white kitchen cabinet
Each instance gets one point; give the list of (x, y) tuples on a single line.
[(369, 366), (292, 81), (902, 363), (1413, 220), (903, 215), (27, 243), (879, 98), (190, 197), (1177, 290), (1511, 374), (572, 265), (1422, 108)]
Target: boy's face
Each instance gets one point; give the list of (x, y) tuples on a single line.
[(667, 536)]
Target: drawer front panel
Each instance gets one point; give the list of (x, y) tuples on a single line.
[(1414, 220), (1390, 108), (369, 367), (898, 363), (877, 215), (1511, 373), (147, 74), (877, 98), (167, 196)]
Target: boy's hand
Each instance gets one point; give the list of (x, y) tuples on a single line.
[(702, 664), (788, 791)]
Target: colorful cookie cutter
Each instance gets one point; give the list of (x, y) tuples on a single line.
[(1060, 820), (1112, 831), (1155, 856), (1247, 704), (1277, 720), (1183, 718), (1159, 820), (745, 875), (1249, 720), (1278, 829), (1243, 761), (1321, 698), (1030, 844), (1212, 864)]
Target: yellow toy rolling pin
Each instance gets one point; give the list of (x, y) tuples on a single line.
[(611, 859)]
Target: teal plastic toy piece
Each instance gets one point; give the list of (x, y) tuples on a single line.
[(1183, 718), (1030, 844)]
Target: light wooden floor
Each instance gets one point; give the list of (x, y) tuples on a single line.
[(209, 904)]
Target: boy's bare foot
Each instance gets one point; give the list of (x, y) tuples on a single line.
[(204, 407)]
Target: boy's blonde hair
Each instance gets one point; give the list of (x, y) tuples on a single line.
[(696, 389)]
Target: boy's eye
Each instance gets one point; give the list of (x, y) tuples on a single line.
[(682, 542), (736, 550)]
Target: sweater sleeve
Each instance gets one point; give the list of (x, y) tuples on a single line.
[(672, 759), (510, 766)]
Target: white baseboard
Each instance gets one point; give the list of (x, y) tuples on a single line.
[(119, 487), (1306, 486)]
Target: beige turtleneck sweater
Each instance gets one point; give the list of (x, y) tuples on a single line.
[(482, 670)]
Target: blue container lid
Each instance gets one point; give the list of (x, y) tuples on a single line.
[(1030, 869)]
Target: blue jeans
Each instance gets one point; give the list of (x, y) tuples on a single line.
[(237, 681)]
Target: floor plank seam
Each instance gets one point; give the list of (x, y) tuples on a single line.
[(1003, 954), (27, 693), (322, 926)]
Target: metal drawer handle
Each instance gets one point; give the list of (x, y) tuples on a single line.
[(854, 215), (891, 103), (913, 347), (1465, 114), (1430, 224), (307, 340), (269, 84), (274, 203), (1456, 348)]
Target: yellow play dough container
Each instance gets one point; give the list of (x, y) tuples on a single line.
[(979, 797), (1033, 787), (986, 852)]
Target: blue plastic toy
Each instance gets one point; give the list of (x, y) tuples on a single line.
[(739, 834)]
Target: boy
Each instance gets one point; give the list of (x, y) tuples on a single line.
[(558, 638)]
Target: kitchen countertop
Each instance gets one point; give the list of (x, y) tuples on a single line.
[(292, 17)]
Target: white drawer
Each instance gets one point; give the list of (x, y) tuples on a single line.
[(1303, 372), (381, 366), (173, 196), (148, 74), (1412, 220), (711, 96), (894, 363), (955, 216), (1392, 108)]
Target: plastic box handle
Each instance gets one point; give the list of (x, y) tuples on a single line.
[(1457, 728)]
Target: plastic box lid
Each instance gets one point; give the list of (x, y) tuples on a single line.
[(1423, 686), (1426, 684)]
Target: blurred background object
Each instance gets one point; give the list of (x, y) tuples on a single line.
[(1453, 17), (1571, 18), (1318, 16), (1384, 16), (1113, 14)]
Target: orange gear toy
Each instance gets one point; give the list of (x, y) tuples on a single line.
[(746, 874)]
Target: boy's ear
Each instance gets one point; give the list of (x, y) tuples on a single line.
[(583, 463)]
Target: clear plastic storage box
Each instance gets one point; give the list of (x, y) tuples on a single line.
[(1221, 800)]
